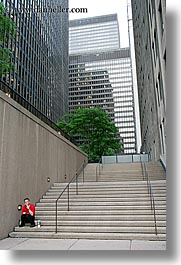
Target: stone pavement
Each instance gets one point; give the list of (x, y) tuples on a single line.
[(79, 244)]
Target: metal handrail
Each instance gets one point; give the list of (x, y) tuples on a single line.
[(152, 200), (67, 187), (98, 165), (142, 168)]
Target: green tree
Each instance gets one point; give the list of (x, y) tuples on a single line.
[(94, 127), (7, 28)]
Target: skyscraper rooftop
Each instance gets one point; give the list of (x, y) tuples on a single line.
[(94, 34)]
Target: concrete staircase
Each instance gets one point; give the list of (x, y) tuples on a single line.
[(124, 172), (115, 207)]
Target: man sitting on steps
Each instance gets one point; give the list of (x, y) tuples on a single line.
[(28, 213)]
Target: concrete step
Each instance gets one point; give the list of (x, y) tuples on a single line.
[(77, 211), (128, 178), (82, 192), (103, 217), (125, 205), (158, 200), (128, 166), (129, 174), (100, 201), (115, 195), (88, 188), (101, 223), (119, 183), (103, 195), (92, 229), (138, 218), (106, 191), (109, 236), (99, 207)]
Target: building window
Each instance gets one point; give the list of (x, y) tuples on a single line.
[(160, 82), (155, 47), (162, 138), (164, 58), (160, 11)]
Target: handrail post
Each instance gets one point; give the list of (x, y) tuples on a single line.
[(56, 215), (96, 173), (76, 184), (98, 168), (68, 196), (83, 171), (155, 216)]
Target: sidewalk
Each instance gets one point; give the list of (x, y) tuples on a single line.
[(79, 244)]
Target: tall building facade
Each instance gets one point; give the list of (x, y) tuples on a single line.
[(88, 88), (150, 49), (100, 75), (40, 56), (94, 34)]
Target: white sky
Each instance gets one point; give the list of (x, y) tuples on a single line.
[(103, 7)]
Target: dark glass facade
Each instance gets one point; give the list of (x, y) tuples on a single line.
[(88, 88), (40, 56)]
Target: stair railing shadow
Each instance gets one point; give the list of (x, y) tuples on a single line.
[(150, 192), (99, 167), (67, 188)]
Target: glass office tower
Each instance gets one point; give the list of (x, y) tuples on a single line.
[(101, 76), (90, 88), (40, 56), (94, 34)]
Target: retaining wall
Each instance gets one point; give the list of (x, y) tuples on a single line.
[(30, 152)]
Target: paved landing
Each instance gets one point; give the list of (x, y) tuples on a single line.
[(79, 244)]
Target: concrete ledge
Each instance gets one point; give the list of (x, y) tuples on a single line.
[(24, 111)]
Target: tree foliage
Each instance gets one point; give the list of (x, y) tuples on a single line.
[(99, 135), (7, 28)]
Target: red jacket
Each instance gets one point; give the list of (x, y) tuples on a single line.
[(25, 209)]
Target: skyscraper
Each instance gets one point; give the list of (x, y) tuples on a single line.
[(100, 74), (149, 27), (40, 57), (85, 89), (94, 34)]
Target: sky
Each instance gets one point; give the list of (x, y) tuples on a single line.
[(102, 7)]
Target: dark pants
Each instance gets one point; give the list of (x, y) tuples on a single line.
[(27, 218)]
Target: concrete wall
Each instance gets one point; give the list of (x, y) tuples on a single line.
[(30, 151)]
